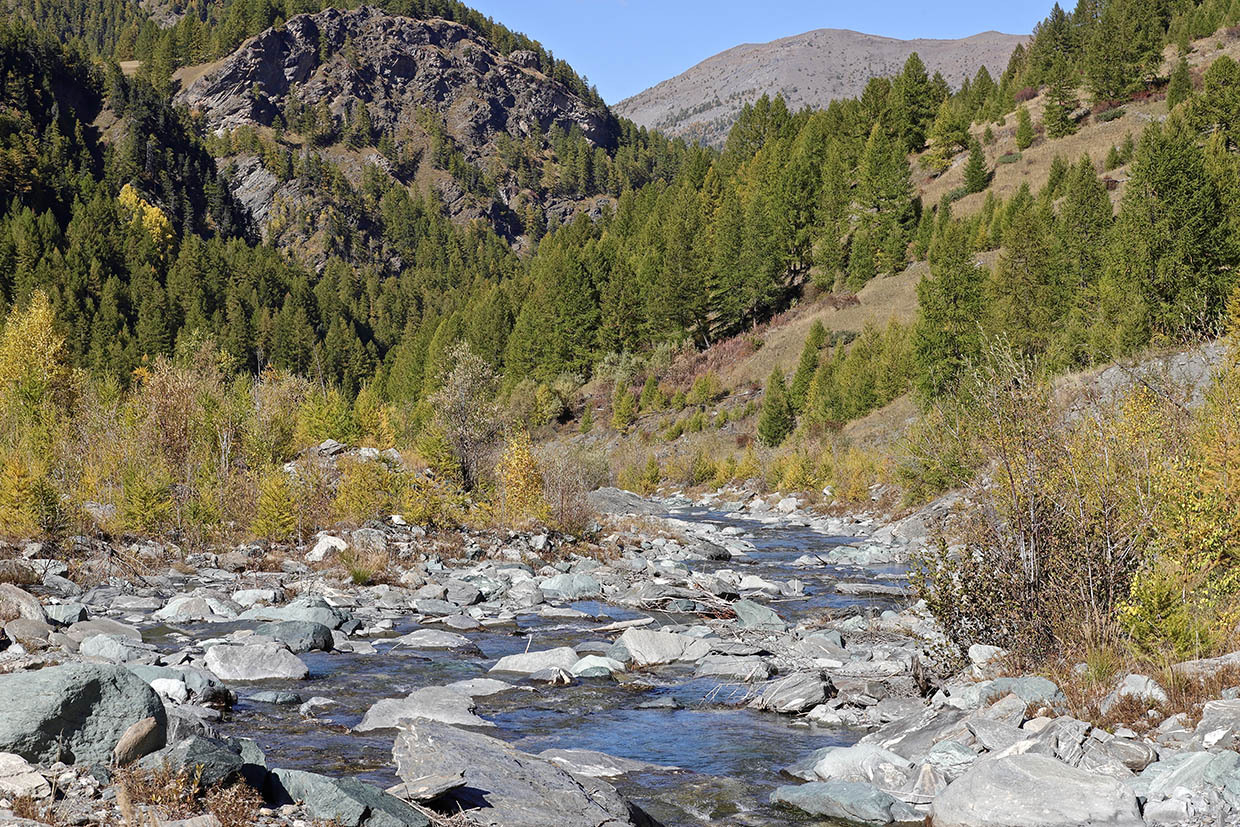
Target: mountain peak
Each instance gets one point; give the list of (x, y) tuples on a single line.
[(808, 69)]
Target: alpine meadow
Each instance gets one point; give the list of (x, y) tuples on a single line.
[(394, 434)]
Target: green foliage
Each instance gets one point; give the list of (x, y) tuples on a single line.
[(776, 420), (947, 336), (623, 408), (807, 365), (276, 517), (976, 174), (1024, 128)]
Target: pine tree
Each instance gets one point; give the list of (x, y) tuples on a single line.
[(1024, 128), (1025, 288), (775, 421), (1181, 84), (807, 365), (976, 175), (623, 408), (947, 337), (1060, 102)]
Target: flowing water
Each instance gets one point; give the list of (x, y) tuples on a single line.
[(719, 761)]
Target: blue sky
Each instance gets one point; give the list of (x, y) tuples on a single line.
[(625, 46)]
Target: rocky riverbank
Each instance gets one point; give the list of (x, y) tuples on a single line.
[(734, 660)]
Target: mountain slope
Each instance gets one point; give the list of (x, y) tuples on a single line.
[(809, 69)]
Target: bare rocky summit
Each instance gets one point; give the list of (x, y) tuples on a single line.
[(431, 86), (809, 69)]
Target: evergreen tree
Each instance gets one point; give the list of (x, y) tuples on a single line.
[(807, 366), (1025, 288), (1181, 84), (1024, 128), (775, 421), (1060, 102), (947, 337), (976, 174)]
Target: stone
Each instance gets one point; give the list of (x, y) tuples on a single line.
[(1031, 790), (20, 780), (141, 738), (596, 764), (846, 800), (985, 659), (313, 609), (1196, 773), (596, 666), (1219, 727), (651, 648), (255, 662), (298, 635), (1134, 686), (369, 541), (215, 761), (480, 687), (437, 639), (435, 703), (325, 548), (29, 632), (429, 787), (745, 669), (866, 763), (751, 615), (1032, 689), (63, 614), (951, 758), (794, 693), (76, 713), (275, 697), (511, 788), (102, 626), (15, 603), (187, 608), (570, 587), (344, 801), (528, 663)]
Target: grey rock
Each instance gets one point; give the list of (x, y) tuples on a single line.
[(751, 615), (866, 763), (298, 635), (570, 587), (596, 764), (437, 639), (479, 687), (1208, 775), (1031, 689), (846, 800), (651, 648), (728, 668), (76, 713), (1034, 791), (255, 662), (435, 703), (313, 609), (1219, 727), (596, 666), (187, 608), (18, 779), (275, 697), (793, 693), (218, 761), (619, 501), (951, 758), (63, 614), (1134, 686), (345, 801), (15, 603), (528, 663), (369, 541), (504, 786)]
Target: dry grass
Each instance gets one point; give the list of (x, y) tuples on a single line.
[(152, 795), (1086, 690), (42, 811)]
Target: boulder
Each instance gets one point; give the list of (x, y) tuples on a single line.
[(298, 635), (15, 603), (985, 659), (504, 786), (63, 614), (344, 801), (652, 648), (141, 738), (325, 547), (850, 801), (75, 713), (596, 764), (435, 703), (480, 687), (1134, 686), (793, 693), (527, 663), (743, 669), (186, 608), (865, 763), (437, 639), (596, 666), (1219, 727), (20, 780), (751, 615), (255, 662), (1030, 790), (215, 761), (314, 609), (570, 587)]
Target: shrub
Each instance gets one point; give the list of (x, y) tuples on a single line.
[(366, 490), (520, 483), (1110, 115), (432, 502), (1008, 158), (567, 478), (146, 502), (277, 510), (466, 414)]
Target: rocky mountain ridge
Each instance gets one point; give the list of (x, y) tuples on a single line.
[(442, 107), (809, 69)]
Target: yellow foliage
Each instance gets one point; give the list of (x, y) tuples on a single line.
[(276, 517), (367, 489), (33, 370), (151, 218), (432, 502), (750, 467), (520, 482)]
